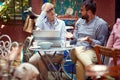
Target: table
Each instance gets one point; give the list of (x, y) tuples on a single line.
[(55, 74)]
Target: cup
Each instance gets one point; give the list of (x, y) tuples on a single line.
[(34, 44), (62, 44), (67, 44)]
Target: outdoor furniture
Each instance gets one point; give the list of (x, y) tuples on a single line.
[(103, 72), (5, 44), (51, 66), (106, 52)]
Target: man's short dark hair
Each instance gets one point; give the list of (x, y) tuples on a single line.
[(89, 5)]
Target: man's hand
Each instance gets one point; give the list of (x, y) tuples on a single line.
[(69, 35), (87, 38), (30, 9)]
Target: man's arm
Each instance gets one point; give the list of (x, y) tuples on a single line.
[(101, 34), (40, 18), (45, 7), (75, 33), (63, 31)]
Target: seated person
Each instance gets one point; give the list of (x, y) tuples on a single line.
[(114, 39), (47, 20), (89, 30)]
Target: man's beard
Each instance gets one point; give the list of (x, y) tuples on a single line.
[(85, 17)]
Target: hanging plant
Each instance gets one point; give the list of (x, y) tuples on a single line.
[(3, 10), (11, 8), (4, 6)]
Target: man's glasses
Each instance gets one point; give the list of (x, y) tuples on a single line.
[(50, 10)]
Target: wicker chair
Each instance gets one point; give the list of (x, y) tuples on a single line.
[(100, 69), (107, 52)]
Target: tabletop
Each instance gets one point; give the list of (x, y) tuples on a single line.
[(51, 49)]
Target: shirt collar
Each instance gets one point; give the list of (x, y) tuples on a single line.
[(91, 20), (55, 22)]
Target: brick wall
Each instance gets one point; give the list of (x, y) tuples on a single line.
[(36, 6), (106, 10)]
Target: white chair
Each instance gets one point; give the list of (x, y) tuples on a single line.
[(5, 44)]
